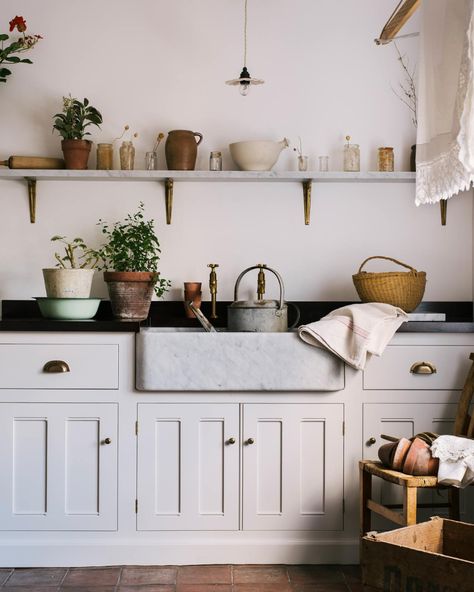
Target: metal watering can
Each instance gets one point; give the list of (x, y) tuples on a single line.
[(265, 316)]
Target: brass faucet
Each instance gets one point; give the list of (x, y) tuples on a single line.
[(261, 281), (213, 288)]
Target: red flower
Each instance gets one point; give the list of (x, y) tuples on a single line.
[(19, 23)]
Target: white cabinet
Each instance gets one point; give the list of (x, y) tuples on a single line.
[(188, 467), (58, 466), (189, 471), (293, 467)]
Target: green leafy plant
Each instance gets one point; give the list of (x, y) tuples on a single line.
[(76, 116), (23, 43), (77, 255), (132, 245)]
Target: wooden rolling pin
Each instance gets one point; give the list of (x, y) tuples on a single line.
[(33, 162)]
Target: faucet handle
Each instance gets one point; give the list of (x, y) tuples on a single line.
[(213, 265)]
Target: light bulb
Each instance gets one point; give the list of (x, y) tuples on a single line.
[(244, 89)]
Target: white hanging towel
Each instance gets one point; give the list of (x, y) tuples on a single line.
[(456, 460), (351, 332), (445, 107)]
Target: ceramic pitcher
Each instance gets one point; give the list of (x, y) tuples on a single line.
[(181, 150)]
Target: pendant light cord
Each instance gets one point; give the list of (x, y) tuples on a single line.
[(245, 33)]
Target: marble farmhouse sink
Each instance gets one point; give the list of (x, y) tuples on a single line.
[(169, 359)]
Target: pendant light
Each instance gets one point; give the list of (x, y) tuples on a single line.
[(244, 80)]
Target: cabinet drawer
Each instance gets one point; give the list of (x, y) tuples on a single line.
[(90, 366), (392, 369)]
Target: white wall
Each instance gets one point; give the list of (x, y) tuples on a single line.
[(160, 65)]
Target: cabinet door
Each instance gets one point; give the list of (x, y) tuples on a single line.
[(293, 467), (402, 419), (58, 471), (188, 467)]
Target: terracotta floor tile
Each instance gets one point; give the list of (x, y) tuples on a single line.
[(99, 588), (140, 575), (32, 588), (260, 574), (204, 574), (147, 588), (204, 588), (262, 587), (92, 576), (39, 576), (317, 574), (4, 575)]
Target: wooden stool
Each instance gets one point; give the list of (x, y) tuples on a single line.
[(463, 426)]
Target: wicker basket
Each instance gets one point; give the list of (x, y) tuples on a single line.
[(404, 289)]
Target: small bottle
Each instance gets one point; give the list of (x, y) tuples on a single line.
[(351, 157), (386, 159), (215, 161), (105, 157), (127, 156)]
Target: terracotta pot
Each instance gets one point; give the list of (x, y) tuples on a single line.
[(419, 461), (76, 153), (130, 293), (181, 150)]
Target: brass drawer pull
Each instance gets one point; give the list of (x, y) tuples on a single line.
[(231, 441), (423, 368), (107, 441), (56, 366), (250, 441), (371, 441)]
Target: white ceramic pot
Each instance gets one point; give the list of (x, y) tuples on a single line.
[(258, 155), (68, 283)]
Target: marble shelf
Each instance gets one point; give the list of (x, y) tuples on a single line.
[(306, 178)]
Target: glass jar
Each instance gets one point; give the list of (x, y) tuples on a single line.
[(151, 161), (302, 163), (127, 156), (323, 164), (386, 159), (105, 157), (215, 161), (351, 157)]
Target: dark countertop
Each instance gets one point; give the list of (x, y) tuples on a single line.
[(24, 315)]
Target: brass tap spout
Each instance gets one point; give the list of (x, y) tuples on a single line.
[(261, 281), (213, 288)]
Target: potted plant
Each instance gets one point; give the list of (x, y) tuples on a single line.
[(72, 276), (71, 125), (130, 259)]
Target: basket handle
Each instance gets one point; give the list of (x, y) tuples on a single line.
[(389, 259)]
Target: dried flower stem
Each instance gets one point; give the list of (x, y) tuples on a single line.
[(407, 93)]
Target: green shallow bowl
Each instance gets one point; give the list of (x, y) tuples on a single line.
[(71, 309)]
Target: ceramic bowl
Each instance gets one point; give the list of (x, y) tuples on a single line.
[(258, 155), (68, 308)]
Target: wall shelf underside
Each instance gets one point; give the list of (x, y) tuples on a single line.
[(168, 179)]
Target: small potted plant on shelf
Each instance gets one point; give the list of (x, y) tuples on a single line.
[(72, 276), (130, 259), (71, 125)]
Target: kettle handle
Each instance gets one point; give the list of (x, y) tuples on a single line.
[(298, 314), (278, 277)]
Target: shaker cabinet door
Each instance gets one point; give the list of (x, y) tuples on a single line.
[(293, 467), (58, 466), (188, 466)]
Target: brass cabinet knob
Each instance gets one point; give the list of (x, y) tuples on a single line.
[(371, 441), (107, 441), (250, 441), (56, 366), (231, 441), (423, 368)]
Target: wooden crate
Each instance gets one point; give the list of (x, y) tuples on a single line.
[(433, 556)]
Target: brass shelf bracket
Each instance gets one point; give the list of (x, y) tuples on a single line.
[(169, 199), (307, 200), (32, 198), (443, 208)]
